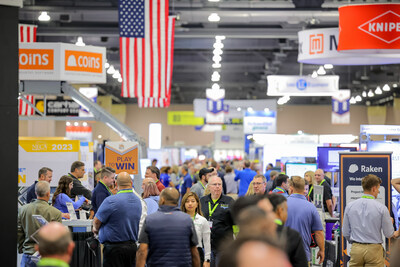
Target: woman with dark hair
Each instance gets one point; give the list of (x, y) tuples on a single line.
[(62, 195), (191, 205), (151, 196)]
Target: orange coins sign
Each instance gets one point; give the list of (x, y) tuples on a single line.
[(369, 27), (36, 59), (83, 61), (122, 156)]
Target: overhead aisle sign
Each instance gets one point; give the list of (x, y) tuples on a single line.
[(62, 62), (57, 155), (353, 167), (122, 156), (320, 46)]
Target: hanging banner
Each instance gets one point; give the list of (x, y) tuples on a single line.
[(259, 122), (122, 156), (215, 106), (183, 118), (353, 167), (86, 156), (319, 46), (62, 62), (369, 28), (341, 107), (291, 85), (34, 154)]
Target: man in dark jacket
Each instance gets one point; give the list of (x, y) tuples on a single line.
[(77, 172), (168, 236), (216, 209)]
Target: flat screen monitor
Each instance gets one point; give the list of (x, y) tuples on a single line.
[(328, 157), (299, 169)]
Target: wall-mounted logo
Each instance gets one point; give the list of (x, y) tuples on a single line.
[(316, 44), (83, 61), (385, 27), (301, 84)]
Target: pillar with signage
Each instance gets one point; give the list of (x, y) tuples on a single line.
[(353, 167)]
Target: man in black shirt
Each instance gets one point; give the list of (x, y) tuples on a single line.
[(320, 179), (77, 172), (216, 209)]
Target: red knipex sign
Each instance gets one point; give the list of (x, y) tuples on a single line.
[(369, 27)]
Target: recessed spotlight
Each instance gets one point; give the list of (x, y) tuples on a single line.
[(239, 109), (76, 124), (250, 109)]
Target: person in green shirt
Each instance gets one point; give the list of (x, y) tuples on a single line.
[(55, 245)]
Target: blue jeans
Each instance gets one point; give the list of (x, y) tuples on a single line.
[(27, 261)]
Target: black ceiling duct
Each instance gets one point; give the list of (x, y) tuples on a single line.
[(308, 3)]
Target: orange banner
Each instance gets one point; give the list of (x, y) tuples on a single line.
[(36, 59), (83, 61), (122, 157), (374, 26)]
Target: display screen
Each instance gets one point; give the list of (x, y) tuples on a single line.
[(328, 157), (299, 169)]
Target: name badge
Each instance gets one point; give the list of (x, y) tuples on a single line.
[(210, 223)]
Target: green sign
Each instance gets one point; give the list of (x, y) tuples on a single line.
[(184, 118)]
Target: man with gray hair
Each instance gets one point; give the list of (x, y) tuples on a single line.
[(27, 224), (55, 245), (45, 174)]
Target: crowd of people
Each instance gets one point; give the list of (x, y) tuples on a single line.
[(202, 213)]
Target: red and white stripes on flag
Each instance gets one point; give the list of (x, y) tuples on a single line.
[(23, 108), (146, 56), (26, 34)]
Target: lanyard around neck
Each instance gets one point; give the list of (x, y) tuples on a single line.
[(125, 191), (108, 189), (309, 191), (211, 211), (278, 222), (322, 182), (368, 197), (202, 185), (280, 189)]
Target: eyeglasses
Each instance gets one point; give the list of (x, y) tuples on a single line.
[(258, 183)]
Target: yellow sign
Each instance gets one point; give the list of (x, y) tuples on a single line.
[(50, 145), (122, 156), (184, 118)]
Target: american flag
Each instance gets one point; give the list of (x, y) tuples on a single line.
[(146, 51), (26, 34)]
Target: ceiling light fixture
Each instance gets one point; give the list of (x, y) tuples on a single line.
[(214, 17), (358, 98), (386, 88), (216, 65), (116, 74), (370, 93), (378, 90), (314, 74), (80, 42), (394, 85), (111, 70), (215, 86), (218, 51), (217, 58), (44, 16), (120, 79), (107, 65), (220, 37), (218, 45), (266, 109), (76, 124), (239, 109), (250, 109), (215, 76), (353, 100), (321, 71), (328, 66), (364, 94)]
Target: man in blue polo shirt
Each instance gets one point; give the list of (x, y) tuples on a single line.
[(186, 183), (102, 189), (282, 185), (245, 176), (117, 223), (303, 217)]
